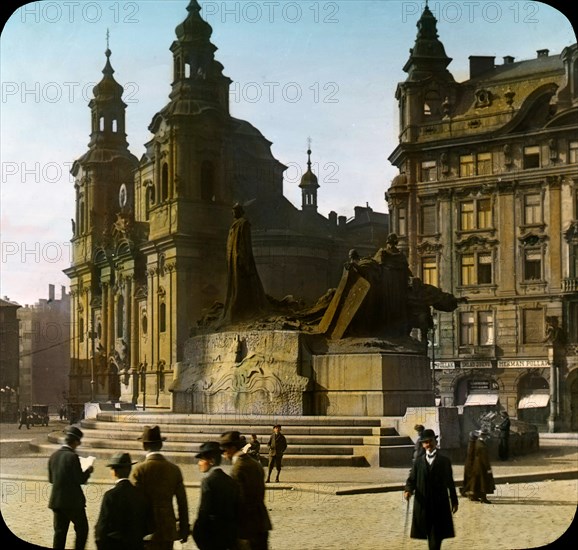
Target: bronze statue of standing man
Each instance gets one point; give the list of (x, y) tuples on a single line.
[(245, 295)]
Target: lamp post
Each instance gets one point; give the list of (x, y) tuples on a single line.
[(553, 418)]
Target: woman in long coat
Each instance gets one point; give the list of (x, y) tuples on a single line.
[(482, 481)]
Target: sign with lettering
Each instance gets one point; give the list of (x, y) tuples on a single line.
[(523, 364), (476, 364), (445, 365)]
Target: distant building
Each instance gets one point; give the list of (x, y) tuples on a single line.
[(9, 385), (149, 234), (486, 207), (45, 350)]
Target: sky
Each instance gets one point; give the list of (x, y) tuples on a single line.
[(325, 70)]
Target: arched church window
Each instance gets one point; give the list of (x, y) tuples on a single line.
[(120, 317), (101, 124), (81, 220), (81, 329), (162, 317), (187, 70), (114, 126), (165, 182), (207, 181)]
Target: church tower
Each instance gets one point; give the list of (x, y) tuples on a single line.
[(309, 186), (104, 193)]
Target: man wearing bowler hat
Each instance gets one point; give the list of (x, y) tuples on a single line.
[(431, 480), (253, 519), (161, 481), (216, 525), (122, 522), (67, 501)]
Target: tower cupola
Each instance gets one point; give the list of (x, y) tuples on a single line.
[(309, 185)]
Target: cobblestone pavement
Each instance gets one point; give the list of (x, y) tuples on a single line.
[(308, 515)]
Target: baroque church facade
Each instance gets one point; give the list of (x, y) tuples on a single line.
[(486, 207), (149, 234)]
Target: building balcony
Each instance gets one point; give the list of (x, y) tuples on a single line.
[(570, 284)]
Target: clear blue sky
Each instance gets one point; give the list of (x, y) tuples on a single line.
[(324, 69)]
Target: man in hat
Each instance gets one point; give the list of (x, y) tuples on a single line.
[(253, 519), (504, 443), (122, 522), (481, 481), (431, 480), (277, 447), (161, 481), (216, 525), (67, 501)]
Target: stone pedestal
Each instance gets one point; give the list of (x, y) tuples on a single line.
[(369, 384)]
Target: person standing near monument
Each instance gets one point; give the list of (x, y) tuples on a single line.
[(216, 525), (245, 294), (481, 482), (122, 522), (253, 519), (67, 500), (432, 482), (161, 481), (277, 447), (504, 428), (469, 463)]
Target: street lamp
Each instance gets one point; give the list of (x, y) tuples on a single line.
[(553, 418)]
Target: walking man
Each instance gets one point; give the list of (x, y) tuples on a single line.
[(122, 522), (161, 481), (216, 525), (253, 519), (277, 446), (432, 482), (504, 444), (67, 501)]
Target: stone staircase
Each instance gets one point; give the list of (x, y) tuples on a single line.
[(312, 440)]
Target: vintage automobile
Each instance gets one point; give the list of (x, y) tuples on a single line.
[(39, 415)]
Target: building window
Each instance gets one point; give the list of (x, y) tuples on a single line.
[(429, 171), (467, 215), (402, 222), (428, 219), (120, 317), (466, 166), (484, 208), (476, 269), (486, 328), (484, 164), (81, 329), (532, 265), (533, 326), (162, 317), (466, 328), (476, 214), (532, 157), (532, 209), (573, 153), (429, 271)]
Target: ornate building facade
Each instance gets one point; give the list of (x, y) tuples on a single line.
[(149, 234), (486, 207)]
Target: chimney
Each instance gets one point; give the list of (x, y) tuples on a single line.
[(333, 218), (342, 220), (480, 64), (508, 59), (542, 53), (51, 293)]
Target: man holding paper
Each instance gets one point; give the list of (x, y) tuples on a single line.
[(67, 500)]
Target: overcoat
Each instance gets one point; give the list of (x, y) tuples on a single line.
[(277, 445), (216, 524), (431, 507), (122, 522), (481, 480), (253, 516), (66, 476), (160, 481)]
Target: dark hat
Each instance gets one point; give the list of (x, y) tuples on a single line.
[(277, 426), (233, 439), (152, 435), (428, 434), (119, 460), (419, 428), (208, 449), (74, 432)]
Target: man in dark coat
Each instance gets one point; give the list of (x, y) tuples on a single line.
[(216, 525), (431, 480), (469, 463), (161, 482), (122, 522), (504, 443), (67, 500), (253, 519), (482, 480), (277, 447)]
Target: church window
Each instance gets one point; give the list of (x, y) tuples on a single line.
[(114, 126), (81, 329), (165, 182), (429, 170), (532, 157), (187, 70), (207, 181), (573, 153), (532, 265), (429, 270), (428, 219), (532, 209), (162, 317), (120, 317), (101, 123), (484, 164), (466, 166)]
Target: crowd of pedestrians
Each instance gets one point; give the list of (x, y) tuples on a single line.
[(139, 513)]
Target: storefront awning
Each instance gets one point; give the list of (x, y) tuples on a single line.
[(534, 401), (481, 399)]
